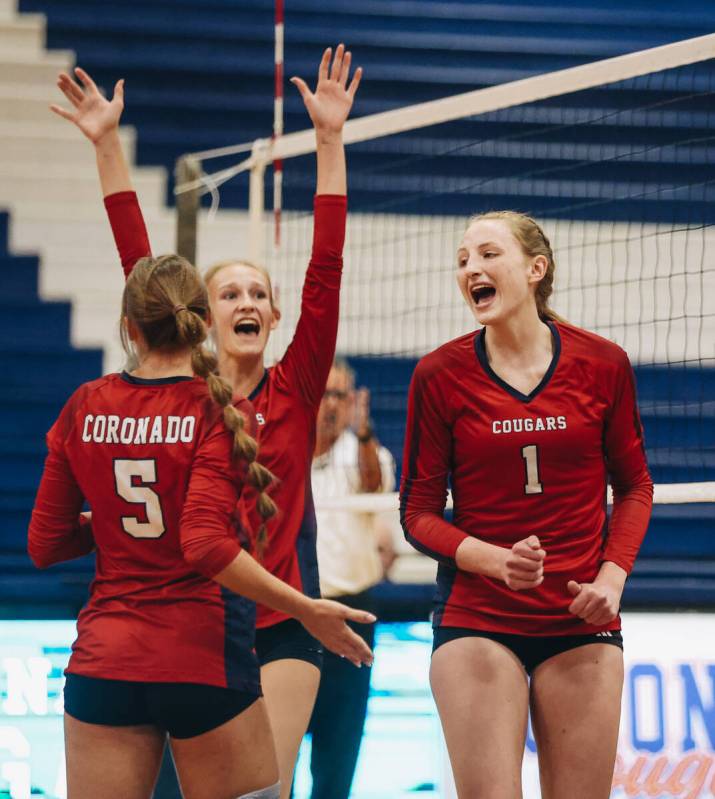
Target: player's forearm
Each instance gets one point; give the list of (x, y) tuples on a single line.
[(50, 543), (478, 557), (332, 172), (111, 164), (369, 465), (247, 577)]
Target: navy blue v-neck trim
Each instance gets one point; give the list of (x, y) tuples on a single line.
[(481, 351), (257, 390), (154, 381)]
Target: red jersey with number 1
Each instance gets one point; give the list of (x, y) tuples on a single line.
[(521, 465), (142, 453)]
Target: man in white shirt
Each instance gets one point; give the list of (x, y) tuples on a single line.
[(354, 553)]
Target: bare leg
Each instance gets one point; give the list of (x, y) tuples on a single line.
[(111, 762), (482, 695), (575, 709), (236, 758), (290, 687)]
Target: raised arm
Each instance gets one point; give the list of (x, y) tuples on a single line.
[(98, 119), (308, 359)]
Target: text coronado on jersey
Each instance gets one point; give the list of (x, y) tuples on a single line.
[(113, 429)]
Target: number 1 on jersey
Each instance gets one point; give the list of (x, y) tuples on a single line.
[(132, 479), (531, 456)]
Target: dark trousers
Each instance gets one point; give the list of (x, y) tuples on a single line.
[(339, 714)]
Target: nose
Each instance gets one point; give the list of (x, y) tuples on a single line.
[(245, 301), (473, 266)]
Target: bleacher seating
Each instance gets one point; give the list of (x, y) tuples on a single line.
[(40, 370)]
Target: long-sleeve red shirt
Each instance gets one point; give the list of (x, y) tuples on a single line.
[(521, 465), (154, 460), (287, 399)]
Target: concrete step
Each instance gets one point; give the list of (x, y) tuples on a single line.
[(29, 70), (8, 9), (52, 140), (24, 35), (58, 183)]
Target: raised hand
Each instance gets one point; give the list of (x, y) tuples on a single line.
[(93, 114), (332, 100), (325, 619)]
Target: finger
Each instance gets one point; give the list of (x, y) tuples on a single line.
[(337, 62), (355, 83), (360, 616), (345, 71), (526, 568), (87, 82), (533, 542), (357, 647), (324, 63), (536, 555), (70, 90), (578, 605), (573, 587), (119, 91), (302, 87), (61, 112)]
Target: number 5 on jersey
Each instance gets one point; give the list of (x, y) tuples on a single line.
[(530, 454), (132, 479)]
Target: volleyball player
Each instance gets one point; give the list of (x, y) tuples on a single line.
[(526, 419), (162, 646), (286, 396)]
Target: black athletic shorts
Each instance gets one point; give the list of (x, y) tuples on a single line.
[(532, 650), (182, 709), (287, 640)]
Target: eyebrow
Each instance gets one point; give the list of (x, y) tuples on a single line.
[(233, 285)]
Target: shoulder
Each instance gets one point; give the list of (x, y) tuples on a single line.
[(583, 344), (452, 355)]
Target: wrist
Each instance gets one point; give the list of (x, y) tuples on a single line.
[(327, 137), (479, 557), (612, 574), (108, 141), (365, 434)]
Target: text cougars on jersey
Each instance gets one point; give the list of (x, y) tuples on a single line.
[(113, 429), (529, 424)]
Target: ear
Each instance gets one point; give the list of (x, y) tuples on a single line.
[(276, 318), (537, 268)]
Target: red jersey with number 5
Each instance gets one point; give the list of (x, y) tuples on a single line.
[(142, 452), (520, 465)]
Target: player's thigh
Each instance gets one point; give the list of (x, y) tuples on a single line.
[(233, 759), (482, 696), (575, 709), (108, 762), (290, 686)]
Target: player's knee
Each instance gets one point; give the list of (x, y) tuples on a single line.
[(271, 792)]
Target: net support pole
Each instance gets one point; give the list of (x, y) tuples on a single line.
[(257, 201), (187, 169), (278, 121)]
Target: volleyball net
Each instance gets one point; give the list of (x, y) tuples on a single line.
[(616, 160)]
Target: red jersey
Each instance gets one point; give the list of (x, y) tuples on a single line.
[(140, 451), (521, 465), (287, 398)]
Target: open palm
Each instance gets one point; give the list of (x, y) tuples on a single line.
[(93, 114), (332, 100)]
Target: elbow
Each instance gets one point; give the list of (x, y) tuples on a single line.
[(41, 557)]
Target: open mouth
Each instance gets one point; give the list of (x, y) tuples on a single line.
[(483, 294), (247, 327)]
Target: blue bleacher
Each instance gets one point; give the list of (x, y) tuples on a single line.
[(40, 370), (201, 76)]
